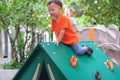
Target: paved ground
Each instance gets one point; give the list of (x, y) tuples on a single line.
[(6, 74)]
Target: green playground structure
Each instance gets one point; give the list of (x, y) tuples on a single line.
[(51, 62)]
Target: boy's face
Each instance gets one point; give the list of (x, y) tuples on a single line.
[(54, 10)]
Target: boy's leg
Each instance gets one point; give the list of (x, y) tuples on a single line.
[(79, 50)]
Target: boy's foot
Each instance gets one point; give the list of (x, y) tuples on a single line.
[(89, 51)]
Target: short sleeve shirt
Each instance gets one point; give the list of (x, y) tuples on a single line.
[(70, 36)]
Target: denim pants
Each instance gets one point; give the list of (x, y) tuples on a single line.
[(78, 49)]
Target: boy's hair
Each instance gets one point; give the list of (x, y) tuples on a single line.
[(58, 2)]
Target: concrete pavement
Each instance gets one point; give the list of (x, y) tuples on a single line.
[(6, 74)]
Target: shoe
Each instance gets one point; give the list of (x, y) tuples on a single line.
[(89, 51)]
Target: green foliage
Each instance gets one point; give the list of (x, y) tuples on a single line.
[(69, 3), (83, 21), (12, 65), (28, 14), (103, 11)]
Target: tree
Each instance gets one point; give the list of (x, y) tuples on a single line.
[(27, 14), (104, 12)]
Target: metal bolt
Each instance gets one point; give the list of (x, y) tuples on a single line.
[(48, 44), (54, 53), (43, 45)]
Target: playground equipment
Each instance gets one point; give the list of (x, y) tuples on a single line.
[(108, 39), (52, 62)]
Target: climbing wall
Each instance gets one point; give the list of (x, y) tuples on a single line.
[(52, 62)]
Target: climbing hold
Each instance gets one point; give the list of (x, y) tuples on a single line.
[(73, 61), (109, 64), (97, 75)]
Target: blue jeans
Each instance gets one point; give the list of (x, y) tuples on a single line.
[(78, 49)]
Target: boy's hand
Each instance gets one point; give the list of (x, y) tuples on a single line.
[(59, 38), (56, 42)]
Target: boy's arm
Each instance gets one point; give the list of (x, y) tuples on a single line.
[(59, 38)]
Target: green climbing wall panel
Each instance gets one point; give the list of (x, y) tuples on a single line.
[(52, 62)]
